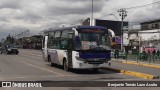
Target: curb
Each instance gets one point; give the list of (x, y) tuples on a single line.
[(132, 73)]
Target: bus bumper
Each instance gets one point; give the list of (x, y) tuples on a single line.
[(83, 65)]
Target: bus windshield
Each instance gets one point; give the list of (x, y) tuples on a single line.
[(92, 41)]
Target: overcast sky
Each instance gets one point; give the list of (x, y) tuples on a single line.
[(17, 16)]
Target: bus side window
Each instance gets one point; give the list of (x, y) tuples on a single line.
[(64, 39), (57, 37), (51, 39)]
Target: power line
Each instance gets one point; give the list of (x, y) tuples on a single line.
[(158, 2), (134, 22)]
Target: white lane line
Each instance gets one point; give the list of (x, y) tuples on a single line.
[(43, 68)]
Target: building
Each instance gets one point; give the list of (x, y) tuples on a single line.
[(150, 25), (150, 33), (110, 24)]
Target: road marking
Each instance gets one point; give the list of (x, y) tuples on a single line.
[(132, 73), (43, 68)]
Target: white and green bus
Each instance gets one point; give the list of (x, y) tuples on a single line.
[(78, 47)]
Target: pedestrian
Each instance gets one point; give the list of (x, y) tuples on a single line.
[(144, 55), (158, 53), (116, 54), (126, 53), (153, 54), (149, 55)]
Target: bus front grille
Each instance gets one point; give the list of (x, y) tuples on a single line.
[(95, 61)]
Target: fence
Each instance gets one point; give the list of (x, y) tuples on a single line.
[(144, 57)]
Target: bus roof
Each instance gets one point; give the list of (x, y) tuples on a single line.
[(77, 27), (92, 27)]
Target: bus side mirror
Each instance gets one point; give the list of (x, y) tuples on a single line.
[(111, 33), (75, 32)]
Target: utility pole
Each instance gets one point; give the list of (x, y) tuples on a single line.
[(91, 21), (123, 14)]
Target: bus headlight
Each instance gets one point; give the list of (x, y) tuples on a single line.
[(80, 59), (9, 49)]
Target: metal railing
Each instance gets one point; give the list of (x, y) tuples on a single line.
[(144, 57)]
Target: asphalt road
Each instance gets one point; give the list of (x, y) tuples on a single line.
[(29, 66)]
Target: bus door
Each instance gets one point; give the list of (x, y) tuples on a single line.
[(70, 49), (44, 49)]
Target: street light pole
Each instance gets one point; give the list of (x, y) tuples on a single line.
[(114, 16), (123, 14), (109, 15)]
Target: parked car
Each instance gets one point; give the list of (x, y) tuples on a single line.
[(8, 49)]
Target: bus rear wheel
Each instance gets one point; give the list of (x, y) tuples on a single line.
[(17, 52), (50, 62), (7, 52), (65, 65)]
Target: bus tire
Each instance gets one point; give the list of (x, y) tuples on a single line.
[(7, 52), (109, 64), (50, 62), (65, 65), (17, 52)]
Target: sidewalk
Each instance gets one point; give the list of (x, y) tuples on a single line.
[(120, 65), (146, 64)]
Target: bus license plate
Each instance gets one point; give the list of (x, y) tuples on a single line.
[(95, 65)]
